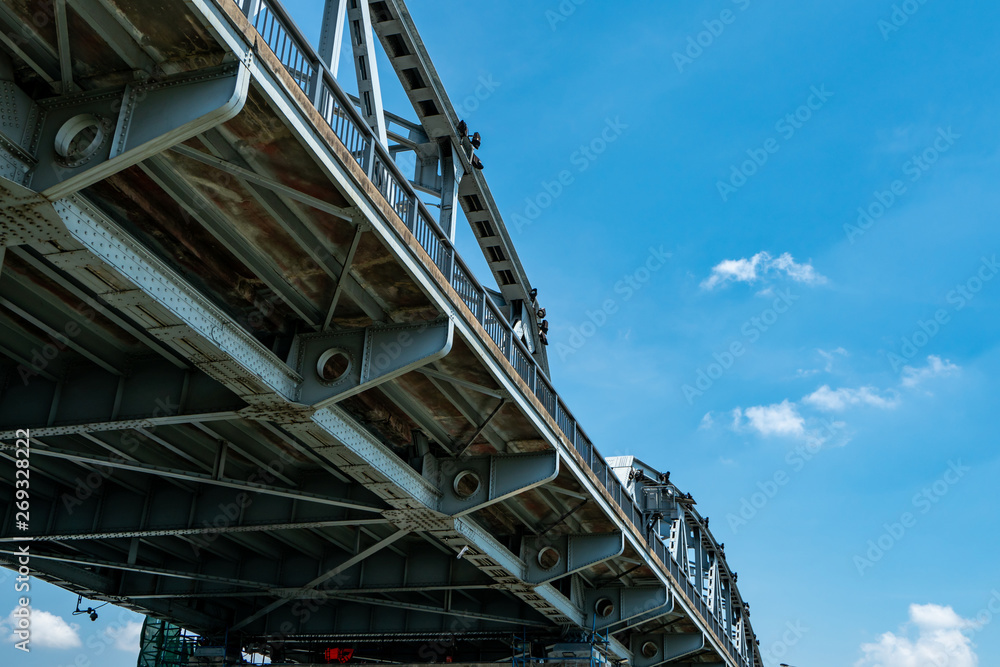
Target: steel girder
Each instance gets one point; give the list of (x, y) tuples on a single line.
[(70, 512), (686, 533), (108, 24), (624, 606), (467, 485), (408, 55), (88, 399), (661, 649), (203, 478), (551, 558), (131, 124), (372, 355)]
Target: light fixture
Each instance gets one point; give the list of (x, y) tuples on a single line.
[(541, 313), (89, 611), (533, 293), (476, 162), (476, 139), (463, 128), (545, 326), (461, 553)]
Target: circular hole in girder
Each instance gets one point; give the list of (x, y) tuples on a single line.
[(466, 484), (79, 137), (548, 558), (649, 650), (332, 365), (604, 607)]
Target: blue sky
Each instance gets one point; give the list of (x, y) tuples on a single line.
[(846, 452)]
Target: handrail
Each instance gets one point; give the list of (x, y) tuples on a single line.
[(316, 80)]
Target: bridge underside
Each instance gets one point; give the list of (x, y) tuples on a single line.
[(267, 401)]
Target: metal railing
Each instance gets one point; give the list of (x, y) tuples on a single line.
[(313, 76)]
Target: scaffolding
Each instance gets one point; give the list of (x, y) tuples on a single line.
[(164, 644), (589, 650)]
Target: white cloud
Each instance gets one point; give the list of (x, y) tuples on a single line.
[(935, 367), (829, 356), (939, 642), (778, 419), (125, 637), (749, 270), (835, 400), (47, 631), (800, 273), (706, 422)]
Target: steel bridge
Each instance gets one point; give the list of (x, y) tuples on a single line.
[(268, 402)]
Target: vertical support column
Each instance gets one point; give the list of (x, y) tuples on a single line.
[(449, 189), (332, 33), (698, 546), (369, 90)]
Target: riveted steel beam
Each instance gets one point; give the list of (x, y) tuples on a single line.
[(472, 483), (550, 558), (27, 45), (612, 605), (653, 650), (367, 357), (130, 124), (326, 576), (107, 25), (153, 392), (162, 471)]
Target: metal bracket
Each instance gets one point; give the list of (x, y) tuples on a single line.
[(335, 365), (470, 484), (616, 604), (653, 650), (86, 137), (547, 559)]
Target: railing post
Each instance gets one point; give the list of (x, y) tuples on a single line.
[(452, 266), (481, 315), (247, 6), (411, 212), (316, 87), (369, 160)]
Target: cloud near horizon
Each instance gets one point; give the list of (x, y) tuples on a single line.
[(47, 631), (940, 641)]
